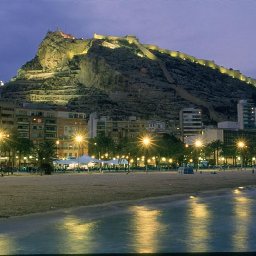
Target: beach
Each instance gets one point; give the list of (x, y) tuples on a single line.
[(22, 194)]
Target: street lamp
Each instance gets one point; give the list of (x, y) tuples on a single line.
[(79, 138), (241, 145), (146, 142), (3, 136), (57, 147), (198, 145)]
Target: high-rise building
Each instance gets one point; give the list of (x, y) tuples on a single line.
[(190, 122), (246, 114)]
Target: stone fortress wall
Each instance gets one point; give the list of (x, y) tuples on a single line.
[(211, 64)]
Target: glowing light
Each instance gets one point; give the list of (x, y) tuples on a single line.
[(79, 138), (146, 141), (3, 135), (237, 191), (140, 55), (240, 144), (198, 143)]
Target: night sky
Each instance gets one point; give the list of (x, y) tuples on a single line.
[(219, 30)]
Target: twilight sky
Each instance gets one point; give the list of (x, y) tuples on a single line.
[(219, 30)]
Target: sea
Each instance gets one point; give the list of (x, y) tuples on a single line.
[(217, 221)]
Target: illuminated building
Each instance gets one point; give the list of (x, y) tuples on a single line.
[(131, 127), (40, 122), (246, 114), (190, 122)]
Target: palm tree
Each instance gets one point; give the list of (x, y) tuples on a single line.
[(215, 148), (170, 146), (23, 146), (229, 152), (128, 147), (104, 144), (46, 152)]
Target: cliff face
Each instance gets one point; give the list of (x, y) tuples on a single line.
[(119, 76)]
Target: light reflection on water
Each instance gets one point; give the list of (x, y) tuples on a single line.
[(199, 218), (7, 245), (77, 235), (200, 224), (242, 210), (147, 229)]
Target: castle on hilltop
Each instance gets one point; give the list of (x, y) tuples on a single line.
[(208, 63)]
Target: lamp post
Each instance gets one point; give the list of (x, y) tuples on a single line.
[(241, 145), (146, 142), (198, 145), (78, 139), (2, 139), (57, 147)]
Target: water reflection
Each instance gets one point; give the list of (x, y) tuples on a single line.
[(242, 215), (199, 224), (199, 220), (78, 235), (147, 229), (7, 245)]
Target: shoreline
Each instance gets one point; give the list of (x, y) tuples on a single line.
[(92, 213), (26, 195)]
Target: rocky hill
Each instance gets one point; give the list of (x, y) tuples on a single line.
[(119, 76)]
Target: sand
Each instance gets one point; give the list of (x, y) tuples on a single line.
[(24, 194)]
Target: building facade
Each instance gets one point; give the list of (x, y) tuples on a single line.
[(131, 127), (7, 115), (190, 122), (41, 123), (246, 114)]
